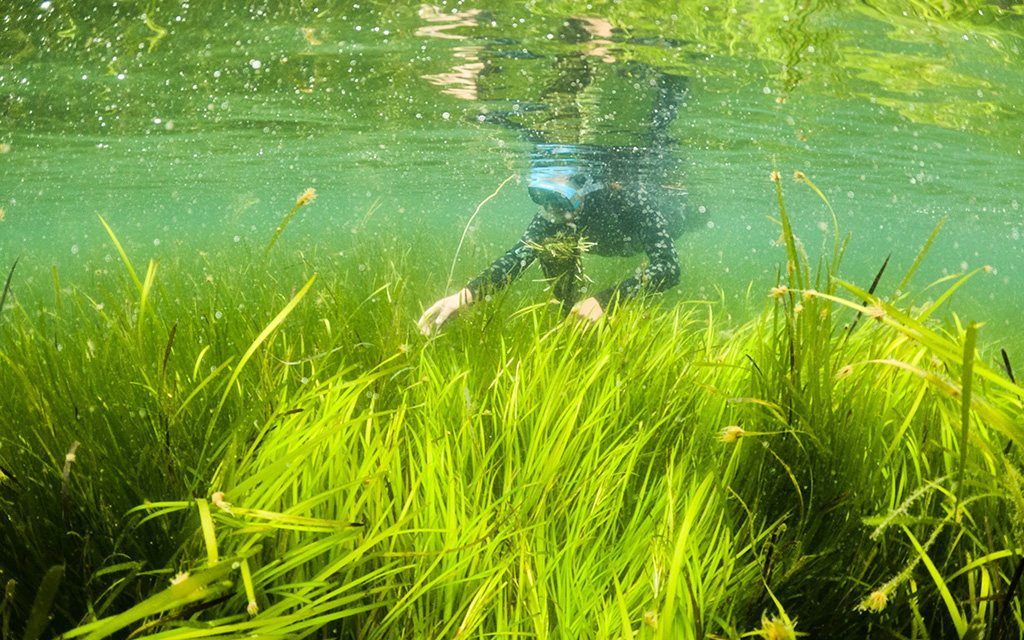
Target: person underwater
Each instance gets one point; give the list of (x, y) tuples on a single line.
[(586, 205)]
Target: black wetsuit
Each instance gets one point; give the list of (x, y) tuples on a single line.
[(621, 220)]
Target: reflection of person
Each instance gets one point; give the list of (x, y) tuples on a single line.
[(596, 198)]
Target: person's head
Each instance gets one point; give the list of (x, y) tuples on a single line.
[(559, 190)]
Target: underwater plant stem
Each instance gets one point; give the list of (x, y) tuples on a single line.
[(39, 616), (64, 488), (209, 535), (793, 268), (252, 349), (307, 196), (799, 176), (997, 632), (940, 584), (56, 293), (7, 286), (1009, 373), (920, 255), (281, 227), (871, 291), (124, 256), (451, 273), (965, 403)]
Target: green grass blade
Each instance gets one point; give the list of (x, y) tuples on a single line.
[(920, 256), (799, 176), (124, 256), (627, 628), (793, 266), (947, 293), (209, 534), (199, 387), (276, 322), (940, 584), (696, 503), (56, 293), (147, 286), (965, 404), (197, 587), (39, 616), (7, 286)]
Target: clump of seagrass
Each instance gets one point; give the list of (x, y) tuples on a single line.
[(561, 259)]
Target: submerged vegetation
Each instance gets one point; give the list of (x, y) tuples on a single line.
[(271, 450), (561, 261)]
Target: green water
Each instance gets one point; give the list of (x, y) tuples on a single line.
[(192, 127)]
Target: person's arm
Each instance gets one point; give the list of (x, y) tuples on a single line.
[(507, 269), (662, 270), (442, 310), (500, 274)]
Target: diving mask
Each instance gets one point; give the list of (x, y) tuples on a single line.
[(560, 190)]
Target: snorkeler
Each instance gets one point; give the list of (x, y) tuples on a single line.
[(583, 207), (602, 171)]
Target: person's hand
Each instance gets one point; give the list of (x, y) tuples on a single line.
[(442, 310), (590, 310)]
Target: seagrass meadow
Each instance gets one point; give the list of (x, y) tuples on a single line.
[(257, 443)]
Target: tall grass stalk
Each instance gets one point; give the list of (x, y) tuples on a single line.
[(304, 198), (7, 283)]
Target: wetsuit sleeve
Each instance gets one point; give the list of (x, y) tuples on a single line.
[(510, 266), (662, 270)]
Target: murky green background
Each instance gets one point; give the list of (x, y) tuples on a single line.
[(192, 127)]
